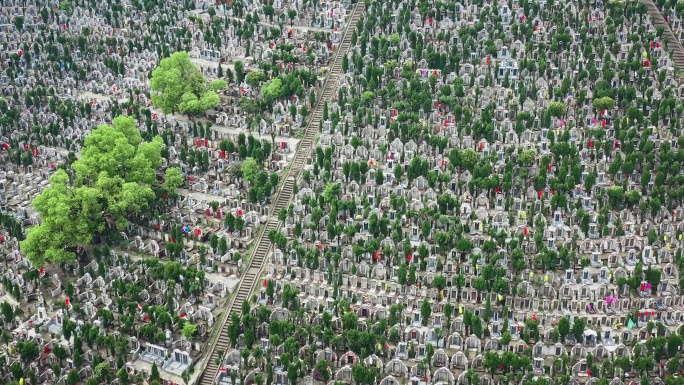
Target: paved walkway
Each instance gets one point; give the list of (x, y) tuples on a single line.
[(89, 95)]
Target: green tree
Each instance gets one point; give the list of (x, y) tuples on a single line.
[(19, 23), (189, 330), (270, 288), (218, 85), (119, 151), (491, 361), (448, 311), (259, 379), (101, 372), (425, 312), (272, 90), (111, 183), (506, 338), (604, 103), (323, 370), (527, 157), (468, 158), (292, 373), (564, 327), (7, 312), (250, 106), (439, 282), (673, 364), (488, 309), (17, 370), (578, 326), (181, 87), (222, 246), (173, 179), (292, 14), (557, 109), (477, 326), (312, 97), (255, 78), (401, 275), (269, 11), (350, 321), (674, 342), (363, 375), (73, 378), (239, 71), (331, 191), (250, 170), (28, 351)]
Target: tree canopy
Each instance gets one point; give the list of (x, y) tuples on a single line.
[(182, 88), (111, 181), (250, 170), (272, 90), (604, 103)]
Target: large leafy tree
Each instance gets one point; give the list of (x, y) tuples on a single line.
[(110, 182), (250, 170), (119, 151), (181, 87)]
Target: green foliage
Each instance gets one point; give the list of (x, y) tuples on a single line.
[(73, 378), (250, 170), (194, 105), (402, 274), (111, 182), (248, 105), (488, 309), (557, 109), (17, 370), (468, 158), (332, 191), (173, 179), (28, 351), (506, 338), (578, 326), (477, 325), (119, 151), (439, 282), (7, 311), (323, 370), (101, 371), (527, 157), (239, 71), (11, 225), (350, 321), (604, 103), (255, 78), (272, 90), (616, 196), (181, 87), (425, 312), (189, 330), (285, 85), (363, 375), (218, 85)]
